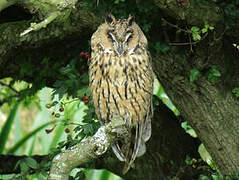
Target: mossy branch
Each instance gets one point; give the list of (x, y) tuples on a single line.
[(5, 3), (87, 150), (47, 11)]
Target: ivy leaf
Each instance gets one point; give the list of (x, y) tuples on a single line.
[(235, 91), (195, 29), (194, 75), (213, 74), (60, 91), (66, 70), (188, 160), (196, 37), (188, 129), (211, 27), (204, 30), (160, 48), (196, 33), (24, 167), (32, 163)]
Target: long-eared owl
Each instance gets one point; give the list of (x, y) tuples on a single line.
[(121, 82)]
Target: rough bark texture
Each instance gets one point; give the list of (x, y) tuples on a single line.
[(210, 108)]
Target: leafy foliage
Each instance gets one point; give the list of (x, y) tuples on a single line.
[(188, 129), (231, 12), (196, 31), (194, 75), (213, 74), (7, 127), (235, 91), (27, 164), (69, 80), (159, 48)]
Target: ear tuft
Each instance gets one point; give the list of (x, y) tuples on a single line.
[(131, 19), (110, 19)]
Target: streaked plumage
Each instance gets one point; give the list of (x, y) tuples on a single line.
[(121, 82)]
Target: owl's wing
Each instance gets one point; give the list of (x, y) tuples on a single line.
[(147, 125), (127, 149), (131, 148), (135, 146)]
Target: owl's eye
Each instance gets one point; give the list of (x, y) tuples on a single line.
[(109, 35), (128, 31), (128, 37)]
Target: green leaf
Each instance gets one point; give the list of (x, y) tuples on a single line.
[(204, 154), (59, 131), (24, 167), (32, 163), (211, 27), (32, 146), (213, 74), (160, 48), (188, 160), (7, 127), (196, 33), (188, 129), (25, 138), (194, 75), (206, 26), (160, 93), (195, 29), (204, 30), (196, 36), (235, 91)]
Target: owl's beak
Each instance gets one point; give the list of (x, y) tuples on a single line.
[(120, 48)]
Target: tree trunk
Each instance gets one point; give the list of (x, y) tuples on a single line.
[(210, 108)]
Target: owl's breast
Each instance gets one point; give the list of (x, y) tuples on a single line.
[(121, 86)]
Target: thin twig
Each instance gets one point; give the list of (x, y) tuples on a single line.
[(175, 26), (182, 44), (188, 43), (77, 99), (183, 30)]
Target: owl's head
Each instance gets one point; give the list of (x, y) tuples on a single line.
[(120, 35)]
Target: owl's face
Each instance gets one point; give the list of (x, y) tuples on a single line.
[(120, 36)]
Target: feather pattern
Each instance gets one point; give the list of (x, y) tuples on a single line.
[(121, 82)]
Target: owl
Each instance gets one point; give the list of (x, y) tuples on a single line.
[(121, 83)]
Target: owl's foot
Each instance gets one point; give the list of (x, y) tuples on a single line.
[(117, 126)]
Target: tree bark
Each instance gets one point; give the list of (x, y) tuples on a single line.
[(210, 108)]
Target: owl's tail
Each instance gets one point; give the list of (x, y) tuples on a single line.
[(127, 150)]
